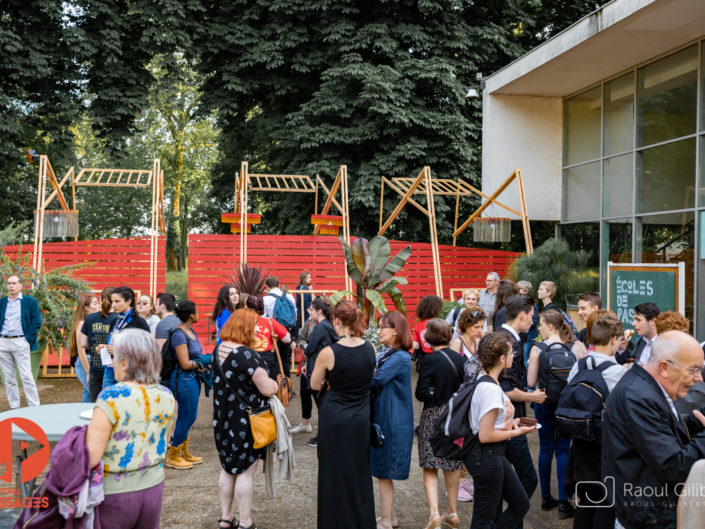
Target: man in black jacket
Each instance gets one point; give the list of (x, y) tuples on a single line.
[(647, 451)]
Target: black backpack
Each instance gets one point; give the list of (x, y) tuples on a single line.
[(452, 437), (579, 411), (169, 360), (555, 362)]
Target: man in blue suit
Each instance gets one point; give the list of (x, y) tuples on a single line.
[(20, 321)]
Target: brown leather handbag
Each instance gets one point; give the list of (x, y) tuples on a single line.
[(284, 387)]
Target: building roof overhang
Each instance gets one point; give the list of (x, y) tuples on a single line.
[(620, 35)]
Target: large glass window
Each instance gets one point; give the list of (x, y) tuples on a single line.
[(632, 182), (582, 117), (582, 192), (667, 97), (670, 238), (616, 244), (619, 115), (617, 185), (585, 236), (665, 177)]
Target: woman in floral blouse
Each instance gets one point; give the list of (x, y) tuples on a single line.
[(128, 433)]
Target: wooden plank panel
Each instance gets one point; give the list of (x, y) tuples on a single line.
[(211, 257)]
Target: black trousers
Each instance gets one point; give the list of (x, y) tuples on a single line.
[(495, 480), (95, 382), (307, 398)]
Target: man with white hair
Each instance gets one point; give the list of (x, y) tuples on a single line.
[(647, 450), (489, 295)]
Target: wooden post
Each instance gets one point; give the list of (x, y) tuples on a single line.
[(457, 205), (38, 214), (331, 197), (524, 214), (315, 198), (73, 197), (403, 202), (243, 212), (343, 172), (154, 238), (381, 204), (426, 172)]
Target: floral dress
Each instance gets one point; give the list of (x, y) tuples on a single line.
[(231, 426)]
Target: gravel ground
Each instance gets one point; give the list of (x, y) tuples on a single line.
[(191, 496)]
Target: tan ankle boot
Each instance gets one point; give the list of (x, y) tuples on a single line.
[(175, 460), (188, 456)]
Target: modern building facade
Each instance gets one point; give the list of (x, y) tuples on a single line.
[(607, 122)]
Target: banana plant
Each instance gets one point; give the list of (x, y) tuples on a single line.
[(373, 270)]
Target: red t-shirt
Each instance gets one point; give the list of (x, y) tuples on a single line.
[(263, 334), (418, 333)]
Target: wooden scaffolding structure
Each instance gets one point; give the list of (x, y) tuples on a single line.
[(111, 178), (424, 184), (246, 182)]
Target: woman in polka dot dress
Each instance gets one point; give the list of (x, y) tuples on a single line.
[(239, 369)]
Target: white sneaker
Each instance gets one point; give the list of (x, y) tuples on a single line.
[(301, 428)]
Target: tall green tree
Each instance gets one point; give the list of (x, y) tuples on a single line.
[(302, 87), (39, 87), (186, 142)]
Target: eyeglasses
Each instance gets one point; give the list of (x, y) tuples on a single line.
[(382, 327), (143, 302), (475, 313), (693, 371)]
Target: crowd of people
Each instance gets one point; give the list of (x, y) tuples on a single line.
[(621, 418)]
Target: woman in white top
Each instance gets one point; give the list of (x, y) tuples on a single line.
[(145, 308), (492, 419)]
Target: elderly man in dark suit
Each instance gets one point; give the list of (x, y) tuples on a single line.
[(647, 450), (20, 321)]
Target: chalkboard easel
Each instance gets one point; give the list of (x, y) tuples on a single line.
[(630, 284)]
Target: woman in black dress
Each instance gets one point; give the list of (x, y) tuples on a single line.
[(345, 496), (239, 377)]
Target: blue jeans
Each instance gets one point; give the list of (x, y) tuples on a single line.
[(186, 388), (81, 376), (109, 377), (551, 443)]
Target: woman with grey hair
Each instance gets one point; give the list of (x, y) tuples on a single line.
[(128, 432)]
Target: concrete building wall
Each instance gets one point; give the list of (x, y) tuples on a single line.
[(524, 132)]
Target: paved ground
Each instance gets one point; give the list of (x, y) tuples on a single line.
[(191, 496)]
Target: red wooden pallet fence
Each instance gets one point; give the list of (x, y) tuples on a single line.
[(213, 257), (115, 262)]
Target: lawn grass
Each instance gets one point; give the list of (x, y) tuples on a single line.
[(177, 284)]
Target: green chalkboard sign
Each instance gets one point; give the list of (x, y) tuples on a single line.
[(632, 284)]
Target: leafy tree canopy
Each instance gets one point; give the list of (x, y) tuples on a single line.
[(295, 87)]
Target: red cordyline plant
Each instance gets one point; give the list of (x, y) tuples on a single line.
[(248, 280)]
